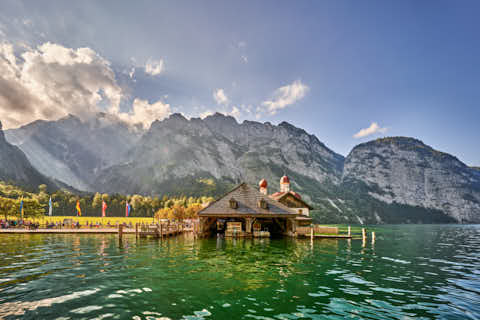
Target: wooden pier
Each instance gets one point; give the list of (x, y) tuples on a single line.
[(140, 231), (158, 230)]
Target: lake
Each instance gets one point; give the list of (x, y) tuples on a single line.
[(411, 272)]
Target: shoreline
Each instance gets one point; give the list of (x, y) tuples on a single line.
[(67, 231)]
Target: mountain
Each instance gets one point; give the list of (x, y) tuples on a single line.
[(405, 171), (72, 150), (15, 167), (211, 155), (390, 180)]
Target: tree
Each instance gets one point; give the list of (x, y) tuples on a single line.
[(178, 212), (8, 207), (97, 201), (31, 208), (169, 203), (42, 188)]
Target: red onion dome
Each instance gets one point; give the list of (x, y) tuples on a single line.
[(263, 183), (284, 179)]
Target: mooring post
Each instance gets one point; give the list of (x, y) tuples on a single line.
[(349, 231), (311, 233), (373, 237), (161, 230), (136, 230), (120, 231), (364, 234)]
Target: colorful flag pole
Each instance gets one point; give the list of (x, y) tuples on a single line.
[(79, 210), (50, 207), (104, 209), (21, 209), (128, 208)]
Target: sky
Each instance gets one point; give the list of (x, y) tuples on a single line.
[(346, 71)]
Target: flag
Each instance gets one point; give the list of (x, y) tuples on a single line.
[(21, 208), (50, 207), (128, 208), (79, 210), (104, 208)]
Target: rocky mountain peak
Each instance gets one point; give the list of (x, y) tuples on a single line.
[(291, 127), (406, 171), (220, 119)]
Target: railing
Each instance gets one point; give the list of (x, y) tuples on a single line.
[(317, 230)]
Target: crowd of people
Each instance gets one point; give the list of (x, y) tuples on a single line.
[(6, 224), (12, 224)]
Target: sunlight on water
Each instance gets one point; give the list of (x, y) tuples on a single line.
[(411, 272)]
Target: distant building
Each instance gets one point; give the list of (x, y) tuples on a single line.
[(245, 212)]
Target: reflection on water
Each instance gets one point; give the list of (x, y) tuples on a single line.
[(410, 272)]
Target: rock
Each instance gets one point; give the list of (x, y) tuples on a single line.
[(406, 171)]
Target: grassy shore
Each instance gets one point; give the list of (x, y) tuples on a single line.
[(83, 220)]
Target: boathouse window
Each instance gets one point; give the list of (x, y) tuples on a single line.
[(263, 204), (300, 211), (233, 203)]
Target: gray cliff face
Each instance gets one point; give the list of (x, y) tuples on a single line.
[(391, 180), (15, 167), (406, 171), (72, 150), (220, 148)]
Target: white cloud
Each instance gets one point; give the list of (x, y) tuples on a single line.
[(285, 96), (207, 113), (235, 112), (153, 67), (51, 81), (244, 58), (374, 128), (131, 73), (145, 113), (220, 96)]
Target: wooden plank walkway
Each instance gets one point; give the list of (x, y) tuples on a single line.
[(329, 236), (67, 231)]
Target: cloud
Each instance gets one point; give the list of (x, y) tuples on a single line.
[(374, 128), (131, 73), (244, 58), (145, 113), (153, 67), (207, 113), (220, 96), (51, 81), (235, 112), (285, 96)]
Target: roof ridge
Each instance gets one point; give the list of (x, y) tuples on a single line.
[(221, 197), (255, 195)]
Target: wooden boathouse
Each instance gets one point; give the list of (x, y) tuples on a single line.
[(248, 212)]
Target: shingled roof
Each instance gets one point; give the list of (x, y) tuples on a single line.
[(280, 195), (247, 199)]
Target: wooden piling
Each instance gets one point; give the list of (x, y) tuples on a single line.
[(373, 237), (349, 231), (136, 230), (364, 234), (120, 231), (311, 233)]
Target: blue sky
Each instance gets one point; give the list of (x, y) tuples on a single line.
[(408, 68)]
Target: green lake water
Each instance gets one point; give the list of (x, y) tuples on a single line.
[(411, 272)]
